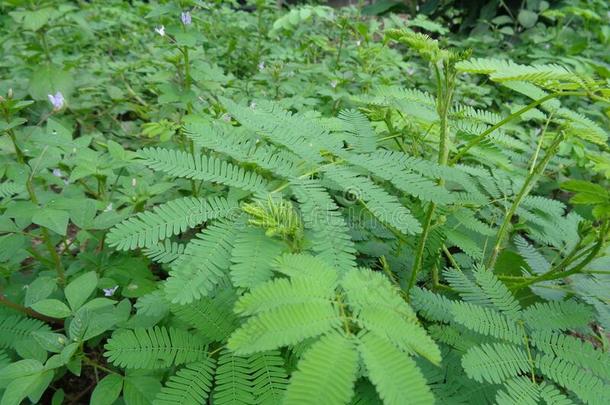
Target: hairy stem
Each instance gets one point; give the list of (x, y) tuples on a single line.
[(28, 311), (47, 238), (444, 97), (557, 273), (530, 180), (506, 120)]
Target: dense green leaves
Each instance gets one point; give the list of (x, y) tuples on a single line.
[(154, 348), (304, 205), (326, 373)]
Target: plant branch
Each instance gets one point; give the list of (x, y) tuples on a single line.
[(523, 192), (509, 118), (28, 311)]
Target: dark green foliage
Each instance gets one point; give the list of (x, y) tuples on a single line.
[(214, 203)]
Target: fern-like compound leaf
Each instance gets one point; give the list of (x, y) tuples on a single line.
[(9, 188), (257, 379), (14, 329), (384, 206), (157, 347), (244, 148), (252, 256), (202, 167), (328, 231), (164, 252), (362, 136), (285, 325), (166, 220), (379, 308), (486, 321), (552, 395), (518, 391), (396, 376), (495, 362), (501, 298), (589, 388), (211, 316), (557, 315), (232, 384), (573, 350), (467, 288), (190, 385), (389, 166), (434, 307), (269, 377), (205, 263), (326, 373)]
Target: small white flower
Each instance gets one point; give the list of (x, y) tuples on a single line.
[(57, 100), (109, 292), (358, 42), (226, 118), (134, 182), (261, 66), (185, 17), (160, 30), (108, 208), (410, 71), (253, 105), (334, 84), (57, 173)]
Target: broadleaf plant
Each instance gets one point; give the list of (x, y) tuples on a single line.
[(262, 204)]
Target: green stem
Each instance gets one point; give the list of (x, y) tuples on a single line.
[(96, 365), (421, 246), (45, 46), (539, 145), (511, 117), (557, 274), (343, 315), (28, 311), (187, 69), (451, 258), (340, 47), (530, 359), (444, 96), (47, 238), (20, 155), (523, 192)]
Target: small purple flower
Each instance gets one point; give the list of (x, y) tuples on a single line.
[(57, 100), (160, 30), (109, 292), (185, 17)]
